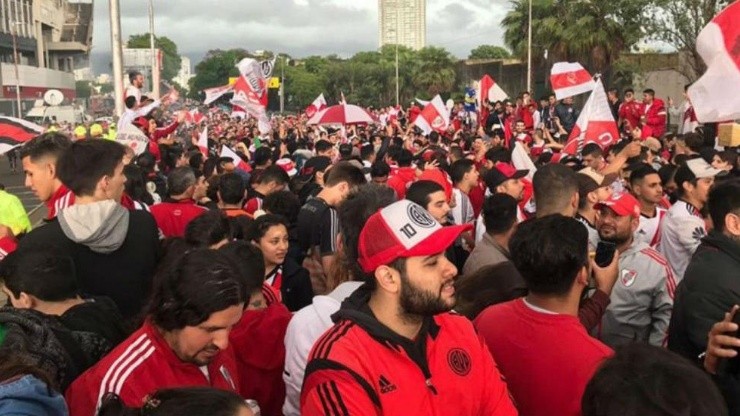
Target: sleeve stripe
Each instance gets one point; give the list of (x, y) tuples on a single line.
[(319, 345), (670, 279), (324, 400), (334, 229), (338, 396)]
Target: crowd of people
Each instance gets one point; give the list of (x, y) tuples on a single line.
[(376, 270)]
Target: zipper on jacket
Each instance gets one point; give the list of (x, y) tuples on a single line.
[(431, 386)]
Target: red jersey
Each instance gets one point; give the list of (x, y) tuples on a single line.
[(61, 199), (141, 364), (401, 180), (253, 205), (363, 368), (260, 355), (655, 117), (172, 217), (631, 111), (547, 359)]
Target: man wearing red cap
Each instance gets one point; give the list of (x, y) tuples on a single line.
[(395, 349), (642, 298), (506, 179)]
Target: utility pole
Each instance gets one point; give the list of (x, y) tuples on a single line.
[(282, 85), (155, 60), (397, 30), (117, 51), (529, 51), (17, 78)]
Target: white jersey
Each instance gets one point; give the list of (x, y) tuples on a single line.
[(131, 90), (649, 229), (463, 211), (681, 232)]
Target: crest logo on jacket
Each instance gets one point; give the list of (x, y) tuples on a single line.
[(628, 277), (459, 361)]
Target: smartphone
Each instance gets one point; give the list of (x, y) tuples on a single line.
[(731, 365), (604, 253)]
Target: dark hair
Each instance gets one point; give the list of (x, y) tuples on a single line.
[(666, 173), (724, 198), (490, 285), (193, 401), (41, 271), (196, 160), (498, 154), (180, 179), (404, 157), (207, 229), (132, 75), (14, 364), (645, 380), (273, 173), (627, 90), (200, 283), (459, 168), (353, 214), (554, 185), (729, 156), (262, 224), (693, 141), (250, 262), (379, 169), (420, 191), (136, 184), (649, 91), (366, 151), (322, 146), (284, 203), (344, 172), (48, 144), (499, 213), (130, 102), (549, 252), (86, 161), (592, 149), (231, 188), (146, 162), (640, 171), (262, 155)]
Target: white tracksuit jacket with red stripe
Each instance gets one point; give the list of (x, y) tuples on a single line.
[(140, 365)]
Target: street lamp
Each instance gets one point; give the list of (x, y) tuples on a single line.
[(282, 82), (397, 30), (15, 63)]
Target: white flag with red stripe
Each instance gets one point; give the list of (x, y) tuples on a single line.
[(595, 124), (489, 90), (203, 141), (569, 79), (240, 164), (435, 116), (213, 94), (317, 105), (716, 95)]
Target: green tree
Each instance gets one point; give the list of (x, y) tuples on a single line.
[(489, 52), (678, 23), (171, 58), (83, 89), (106, 88), (215, 69), (435, 71)]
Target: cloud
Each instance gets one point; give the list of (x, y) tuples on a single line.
[(297, 27)]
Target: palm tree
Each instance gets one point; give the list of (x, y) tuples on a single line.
[(435, 71)]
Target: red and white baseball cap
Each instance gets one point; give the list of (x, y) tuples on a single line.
[(403, 229), (623, 204), (288, 166)]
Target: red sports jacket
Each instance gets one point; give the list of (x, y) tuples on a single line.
[(140, 365), (401, 180), (655, 117), (361, 367), (631, 112), (61, 199), (172, 217)]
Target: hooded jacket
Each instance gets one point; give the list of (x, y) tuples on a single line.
[(114, 250), (401, 180), (29, 396), (361, 367)]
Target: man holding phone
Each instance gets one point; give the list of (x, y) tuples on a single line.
[(642, 298)]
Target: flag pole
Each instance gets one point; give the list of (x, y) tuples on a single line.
[(155, 60), (529, 50), (116, 49)]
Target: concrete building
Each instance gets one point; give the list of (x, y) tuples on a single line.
[(53, 38), (183, 77), (140, 59), (402, 22)]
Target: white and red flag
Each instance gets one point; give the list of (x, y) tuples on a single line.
[(716, 95), (238, 161), (595, 124), (317, 105), (489, 90), (194, 116), (435, 116), (213, 94), (203, 141), (342, 100), (569, 79)]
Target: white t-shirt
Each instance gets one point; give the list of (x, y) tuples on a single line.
[(463, 211), (649, 229)]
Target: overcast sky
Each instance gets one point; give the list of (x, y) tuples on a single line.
[(297, 27)]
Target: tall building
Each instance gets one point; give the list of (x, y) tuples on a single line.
[(402, 22), (184, 75), (52, 39)]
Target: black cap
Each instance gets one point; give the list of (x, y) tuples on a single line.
[(315, 164)]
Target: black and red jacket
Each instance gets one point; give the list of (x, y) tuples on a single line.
[(361, 367)]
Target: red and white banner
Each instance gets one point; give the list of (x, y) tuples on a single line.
[(317, 105), (250, 90), (14, 132), (194, 116), (203, 141), (595, 124), (213, 94), (240, 164), (489, 90), (569, 79), (435, 116), (715, 95)]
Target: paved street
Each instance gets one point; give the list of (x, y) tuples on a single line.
[(14, 184)]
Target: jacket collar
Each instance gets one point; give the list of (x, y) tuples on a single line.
[(490, 241), (723, 243)]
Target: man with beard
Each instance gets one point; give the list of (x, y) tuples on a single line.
[(183, 342), (395, 348), (642, 299)]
